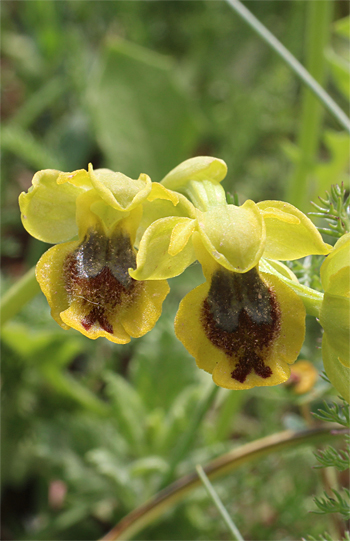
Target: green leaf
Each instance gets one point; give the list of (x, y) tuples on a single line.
[(340, 70), (128, 409), (342, 27), (143, 122), (29, 149), (333, 171)]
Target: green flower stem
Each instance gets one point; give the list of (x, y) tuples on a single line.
[(18, 295), (144, 515), (311, 298), (292, 62), (219, 505), (185, 442), (319, 16)]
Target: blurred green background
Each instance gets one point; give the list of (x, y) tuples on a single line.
[(89, 428)]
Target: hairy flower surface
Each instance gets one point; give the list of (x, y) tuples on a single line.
[(87, 281), (243, 328)]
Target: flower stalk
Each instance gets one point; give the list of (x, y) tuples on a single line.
[(144, 515)]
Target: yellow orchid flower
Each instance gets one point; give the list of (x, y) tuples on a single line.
[(243, 325), (243, 328), (86, 281)]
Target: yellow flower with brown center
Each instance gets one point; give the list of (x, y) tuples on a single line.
[(86, 281), (243, 325), (243, 328)]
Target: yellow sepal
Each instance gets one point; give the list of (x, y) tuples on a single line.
[(289, 233), (233, 236)]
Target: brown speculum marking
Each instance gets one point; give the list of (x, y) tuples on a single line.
[(97, 273), (241, 317)]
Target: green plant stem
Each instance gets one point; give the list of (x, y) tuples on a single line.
[(317, 36), (18, 295), (144, 515), (219, 505), (187, 438), (292, 62)]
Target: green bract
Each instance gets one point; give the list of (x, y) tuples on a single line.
[(335, 315)]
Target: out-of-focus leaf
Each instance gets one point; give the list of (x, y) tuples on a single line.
[(29, 149), (158, 377), (334, 170), (39, 101), (143, 122), (128, 410), (177, 420), (110, 466), (49, 352), (340, 69), (147, 465), (342, 27), (23, 50), (29, 343)]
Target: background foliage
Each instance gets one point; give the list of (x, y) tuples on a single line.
[(90, 428)]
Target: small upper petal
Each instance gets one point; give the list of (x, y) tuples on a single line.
[(48, 209), (198, 168), (165, 249), (233, 236), (118, 190)]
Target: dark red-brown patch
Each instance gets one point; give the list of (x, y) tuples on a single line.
[(241, 317), (97, 273)]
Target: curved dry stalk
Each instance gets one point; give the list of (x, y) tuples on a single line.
[(144, 515)]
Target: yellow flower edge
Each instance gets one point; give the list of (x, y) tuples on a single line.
[(283, 351)]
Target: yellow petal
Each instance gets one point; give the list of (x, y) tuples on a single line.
[(180, 235), (189, 329), (78, 313), (245, 331), (79, 178), (198, 168), (289, 233), (159, 191), (141, 315), (118, 190), (162, 208), (281, 269), (49, 273), (233, 236), (48, 209), (154, 259)]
